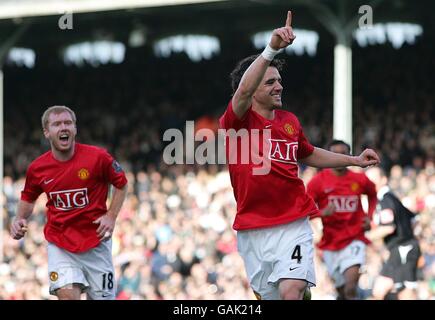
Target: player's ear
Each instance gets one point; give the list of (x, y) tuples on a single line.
[(45, 131)]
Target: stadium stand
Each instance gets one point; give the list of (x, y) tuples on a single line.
[(173, 238)]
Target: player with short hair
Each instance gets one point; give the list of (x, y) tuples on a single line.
[(394, 224), (273, 231), (76, 178), (337, 192)]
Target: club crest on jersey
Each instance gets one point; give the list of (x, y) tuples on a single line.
[(54, 276), (83, 174), (354, 186), (283, 151), (289, 129), (66, 200), (344, 203)]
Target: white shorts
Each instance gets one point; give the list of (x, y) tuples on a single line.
[(281, 252), (92, 270), (338, 261)]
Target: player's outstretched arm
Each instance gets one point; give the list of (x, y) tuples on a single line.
[(281, 38), (379, 232), (19, 225), (321, 158)]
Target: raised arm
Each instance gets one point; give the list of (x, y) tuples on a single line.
[(19, 224), (281, 38), (321, 158)]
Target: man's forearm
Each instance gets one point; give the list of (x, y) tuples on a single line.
[(118, 198), (253, 75), (321, 158), (380, 232), (24, 210), (248, 84)]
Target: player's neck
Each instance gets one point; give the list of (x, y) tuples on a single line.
[(339, 173), (63, 155), (264, 112)]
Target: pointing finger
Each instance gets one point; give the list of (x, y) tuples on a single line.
[(283, 35), (288, 22), (287, 33)]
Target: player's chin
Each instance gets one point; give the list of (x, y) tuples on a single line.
[(276, 102), (63, 146)]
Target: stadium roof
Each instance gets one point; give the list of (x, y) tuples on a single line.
[(226, 19), (31, 8)]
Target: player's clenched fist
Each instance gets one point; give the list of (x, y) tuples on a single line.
[(282, 37), (368, 158), (18, 228)]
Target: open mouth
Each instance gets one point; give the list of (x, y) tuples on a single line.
[(64, 138)]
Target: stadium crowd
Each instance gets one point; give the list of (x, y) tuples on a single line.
[(173, 238)]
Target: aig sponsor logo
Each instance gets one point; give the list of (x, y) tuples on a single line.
[(344, 203), (66, 200), (283, 151)]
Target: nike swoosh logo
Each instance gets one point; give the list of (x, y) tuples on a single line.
[(105, 295), (329, 190), (268, 126), (291, 269), (48, 181)]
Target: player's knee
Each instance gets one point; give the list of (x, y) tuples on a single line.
[(380, 291), (407, 294), (72, 293), (350, 290), (67, 295), (293, 292)]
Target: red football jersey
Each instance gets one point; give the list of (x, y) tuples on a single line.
[(77, 191), (279, 196), (346, 223)]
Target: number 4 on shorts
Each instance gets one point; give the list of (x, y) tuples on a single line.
[(297, 253)]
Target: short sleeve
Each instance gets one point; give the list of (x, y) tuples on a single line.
[(229, 120), (313, 190), (304, 146), (386, 214), (32, 189), (370, 188), (112, 170)]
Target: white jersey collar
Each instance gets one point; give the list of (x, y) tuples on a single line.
[(382, 192)]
